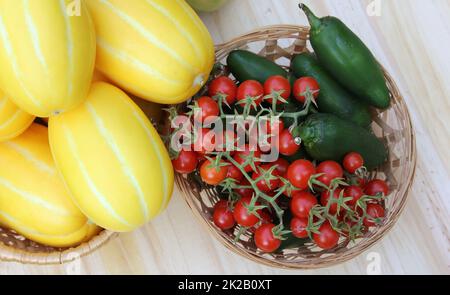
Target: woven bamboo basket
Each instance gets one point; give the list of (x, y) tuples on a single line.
[(280, 44), (16, 248)]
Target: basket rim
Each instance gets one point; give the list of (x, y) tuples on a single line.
[(324, 262), (11, 254)]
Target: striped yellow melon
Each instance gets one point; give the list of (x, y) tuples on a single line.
[(13, 121), (112, 160), (158, 50), (33, 198), (47, 56)]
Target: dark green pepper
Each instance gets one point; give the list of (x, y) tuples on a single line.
[(348, 59)]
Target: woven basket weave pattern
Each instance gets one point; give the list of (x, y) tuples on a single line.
[(280, 44)]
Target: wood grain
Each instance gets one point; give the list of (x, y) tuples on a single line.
[(412, 39)]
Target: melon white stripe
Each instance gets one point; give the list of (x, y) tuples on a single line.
[(150, 37), (3, 101), (34, 35), (11, 119), (119, 156), (69, 45), (82, 168), (32, 198), (143, 124), (174, 21), (25, 153), (26, 230), (10, 53), (127, 59)]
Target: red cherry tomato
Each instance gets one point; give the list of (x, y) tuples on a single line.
[(242, 215), (223, 217), (226, 141), (282, 166), (352, 162), (374, 211), (204, 141), (302, 85), (221, 203), (274, 127), (213, 175), (244, 192), (209, 108), (235, 173), (354, 192), (298, 227), (241, 156), (250, 89), (287, 145), (330, 170), (327, 237), (302, 203), (376, 186), (277, 85), (325, 198), (299, 173), (223, 86), (186, 162), (263, 185), (265, 239)]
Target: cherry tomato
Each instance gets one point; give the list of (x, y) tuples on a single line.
[(235, 173), (241, 214), (277, 85), (282, 166), (376, 186), (302, 203), (209, 108), (226, 141), (354, 192), (265, 239), (287, 145), (221, 203), (241, 157), (327, 237), (244, 192), (204, 141), (223, 86), (330, 170), (374, 211), (302, 85), (213, 175), (352, 162), (298, 227), (263, 185), (252, 89), (325, 198), (361, 182), (299, 173), (186, 162), (223, 217), (274, 127)]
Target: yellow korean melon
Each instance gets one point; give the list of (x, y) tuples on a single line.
[(13, 121), (158, 50), (112, 160), (33, 199), (47, 55)]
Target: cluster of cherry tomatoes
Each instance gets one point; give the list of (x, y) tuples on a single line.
[(303, 200), (224, 90), (325, 201)]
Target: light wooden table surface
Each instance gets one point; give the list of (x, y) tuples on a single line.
[(412, 39)]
